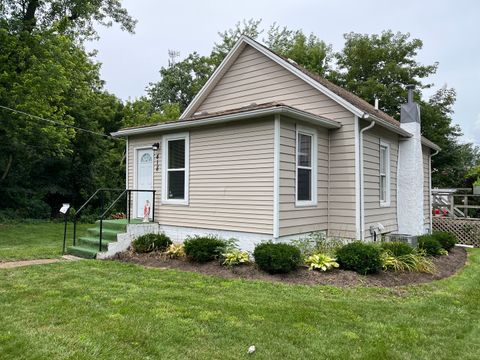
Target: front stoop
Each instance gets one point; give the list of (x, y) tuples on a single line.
[(117, 236), (124, 240)]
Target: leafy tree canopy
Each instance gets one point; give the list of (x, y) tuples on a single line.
[(370, 66)]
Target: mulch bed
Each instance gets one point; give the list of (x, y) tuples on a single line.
[(446, 265)]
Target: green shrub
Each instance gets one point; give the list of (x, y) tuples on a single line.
[(360, 257), (204, 248), (321, 262), (277, 258), (430, 245), (397, 248), (151, 242), (235, 257), (447, 240)]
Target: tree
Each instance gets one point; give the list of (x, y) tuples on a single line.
[(45, 71), (309, 51), (74, 17), (380, 66), (452, 165), (180, 81)]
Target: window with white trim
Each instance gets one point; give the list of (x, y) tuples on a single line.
[(175, 169), (384, 174), (306, 167)]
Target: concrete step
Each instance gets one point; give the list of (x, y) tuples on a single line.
[(110, 235), (92, 242), (82, 252)]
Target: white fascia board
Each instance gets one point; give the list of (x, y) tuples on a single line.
[(396, 129), (281, 110)]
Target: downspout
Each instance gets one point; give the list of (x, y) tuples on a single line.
[(430, 187), (360, 153)]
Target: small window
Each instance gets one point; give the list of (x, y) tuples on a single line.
[(384, 174), (305, 163), (175, 173)]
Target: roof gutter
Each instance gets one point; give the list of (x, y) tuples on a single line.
[(281, 110)]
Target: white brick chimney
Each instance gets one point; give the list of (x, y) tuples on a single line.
[(410, 171)]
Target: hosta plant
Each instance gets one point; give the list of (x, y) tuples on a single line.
[(235, 257), (321, 262), (175, 251)]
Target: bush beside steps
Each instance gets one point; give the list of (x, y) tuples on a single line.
[(151, 242)]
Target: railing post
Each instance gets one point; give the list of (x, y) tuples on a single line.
[(153, 206), (102, 201), (75, 230), (101, 230), (452, 206), (129, 199), (465, 209)]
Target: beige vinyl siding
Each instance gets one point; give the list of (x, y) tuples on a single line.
[(231, 178), (374, 213), (253, 78), (426, 186), (294, 220)]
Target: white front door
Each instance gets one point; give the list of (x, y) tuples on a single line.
[(144, 180)]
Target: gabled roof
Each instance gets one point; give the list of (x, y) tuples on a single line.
[(246, 112), (348, 100)]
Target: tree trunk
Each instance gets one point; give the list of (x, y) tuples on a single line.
[(29, 17), (7, 169)]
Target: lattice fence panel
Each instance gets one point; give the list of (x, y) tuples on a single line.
[(466, 230)]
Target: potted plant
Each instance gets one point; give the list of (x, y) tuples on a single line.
[(476, 187)]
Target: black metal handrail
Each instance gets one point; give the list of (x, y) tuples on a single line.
[(75, 216), (129, 195)]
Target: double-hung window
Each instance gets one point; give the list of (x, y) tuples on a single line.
[(175, 158), (306, 164), (384, 174)]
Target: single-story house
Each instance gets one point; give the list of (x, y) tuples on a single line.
[(267, 150)]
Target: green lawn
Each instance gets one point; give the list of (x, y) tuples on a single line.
[(110, 310), (40, 240)]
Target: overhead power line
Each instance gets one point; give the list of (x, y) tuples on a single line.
[(59, 123)]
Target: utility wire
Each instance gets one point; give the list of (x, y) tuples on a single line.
[(59, 123)]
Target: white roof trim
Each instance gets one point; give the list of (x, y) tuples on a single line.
[(282, 110), (285, 64)]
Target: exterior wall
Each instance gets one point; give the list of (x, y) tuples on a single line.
[(231, 178), (426, 187), (374, 213), (255, 78), (292, 219)]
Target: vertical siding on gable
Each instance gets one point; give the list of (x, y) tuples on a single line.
[(231, 178), (294, 220), (426, 186), (374, 213)]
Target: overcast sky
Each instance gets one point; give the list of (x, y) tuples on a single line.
[(450, 31)]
